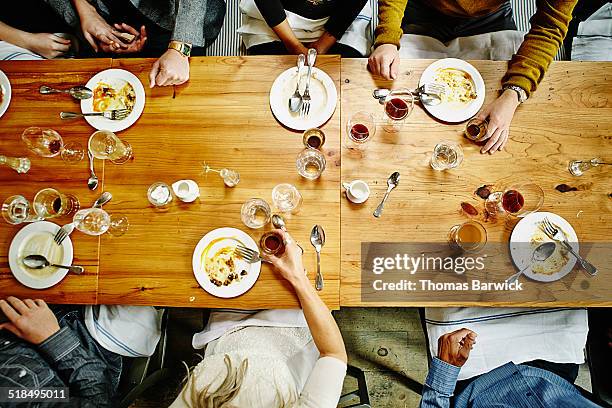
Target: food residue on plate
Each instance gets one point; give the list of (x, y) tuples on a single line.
[(109, 97), (222, 266), (41, 243), (459, 85), (555, 262)]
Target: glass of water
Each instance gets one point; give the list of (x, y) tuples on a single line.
[(50, 203), (286, 197), (255, 213), (96, 221), (310, 163), (446, 155), (16, 209)]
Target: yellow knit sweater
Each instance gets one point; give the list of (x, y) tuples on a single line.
[(527, 67)]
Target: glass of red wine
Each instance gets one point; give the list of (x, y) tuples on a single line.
[(517, 200), (398, 106), (360, 128)]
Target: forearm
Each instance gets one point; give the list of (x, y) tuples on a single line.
[(439, 384), (548, 29), (14, 36), (343, 16), (321, 323), (285, 34), (189, 22), (82, 7), (390, 15)]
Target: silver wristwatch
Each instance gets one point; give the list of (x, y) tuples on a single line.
[(522, 95)]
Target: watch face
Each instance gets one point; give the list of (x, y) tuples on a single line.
[(187, 49)]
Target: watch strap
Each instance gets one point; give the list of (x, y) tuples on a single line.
[(183, 48)]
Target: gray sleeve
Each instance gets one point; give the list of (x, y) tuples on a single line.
[(189, 22), (65, 10)]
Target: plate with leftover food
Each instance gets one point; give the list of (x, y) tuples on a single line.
[(37, 239), (217, 267), (465, 89), (5, 93), (527, 236), (323, 100), (114, 89)]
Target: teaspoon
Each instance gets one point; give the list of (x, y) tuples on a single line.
[(392, 182), (541, 253), (40, 262)]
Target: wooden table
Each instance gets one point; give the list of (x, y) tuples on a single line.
[(570, 117)]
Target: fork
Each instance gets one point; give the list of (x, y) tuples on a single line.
[(555, 234), (430, 94), (118, 114), (312, 57), (248, 254), (63, 233)]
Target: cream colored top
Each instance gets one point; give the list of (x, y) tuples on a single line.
[(284, 369)]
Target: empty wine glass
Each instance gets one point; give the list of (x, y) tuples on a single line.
[(106, 145), (518, 200), (49, 143), (230, 177), (578, 167), (96, 221), (50, 203)]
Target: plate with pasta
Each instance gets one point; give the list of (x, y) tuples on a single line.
[(528, 235), (114, 89), (464, 89)]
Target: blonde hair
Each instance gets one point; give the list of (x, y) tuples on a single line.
[(228, 390)]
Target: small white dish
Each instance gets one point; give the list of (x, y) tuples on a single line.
[(37, 239), (455, 112), (212, 242), (521, 251), (112, 77), (323, 99), (5, 93), (357, 191), (186, 190)]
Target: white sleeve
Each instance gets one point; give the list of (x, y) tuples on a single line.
[(324, 385)]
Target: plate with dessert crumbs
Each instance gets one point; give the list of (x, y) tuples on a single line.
[(114, 89), (464, 89), (5, 93), (218, 268), (527, 236)]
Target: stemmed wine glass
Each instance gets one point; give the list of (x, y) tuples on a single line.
[(105, 145), (230, 177), (517, 200), (96, 221), (359, 129), (49, 143), (398, 106)]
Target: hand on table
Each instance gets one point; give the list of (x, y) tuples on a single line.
[(499, 114), (98, 32), (172, 68), (289, 264), (135, 46), (385, 61), (454, 348), (30, 320), (47, 45)]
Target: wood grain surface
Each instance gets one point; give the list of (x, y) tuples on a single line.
[(569, 117)]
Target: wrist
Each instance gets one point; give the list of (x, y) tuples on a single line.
[(300, 282), (83, 8)]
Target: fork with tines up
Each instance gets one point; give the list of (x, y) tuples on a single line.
[(249, 255), (312, 57), (556, 234), (63, 233), (117, 114)]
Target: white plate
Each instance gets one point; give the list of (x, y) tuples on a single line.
[(39, 235), (455, 112), (110, 76), (226, 237), (521, 252), (5, 87), (322, 104)]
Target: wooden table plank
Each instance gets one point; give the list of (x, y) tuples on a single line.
[(568, 118), (221, 116), (29, 108)]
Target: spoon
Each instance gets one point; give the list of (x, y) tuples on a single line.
[(279, 222), (92, 182), (40, 262), (541, 253), (392, 182), (103, 199), (295, 101), (317, 239), (77, 92)]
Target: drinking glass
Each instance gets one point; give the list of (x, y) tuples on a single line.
[(96, 221), (518, 200), (271, 243), (19, 164), (286, 197), (476, 129), (398, 106), (230, 177), (255, 213), (359, 129), (446, 155), (159, 194), (105, 145), (470, 236), (50, 203), (49, 143), (16, 209), (310, 163), (578, 167), (314, 138)]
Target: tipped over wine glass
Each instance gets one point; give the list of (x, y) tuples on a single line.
[(518, 200)]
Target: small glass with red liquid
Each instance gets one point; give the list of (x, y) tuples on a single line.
[(476, 130), (360, 128), (314, 138), (271, 243), (398, 106), (518, 200)]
